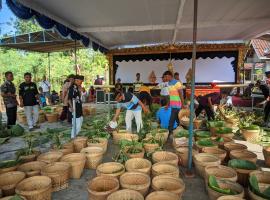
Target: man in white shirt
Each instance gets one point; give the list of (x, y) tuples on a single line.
[(46, 88), (164, 86)]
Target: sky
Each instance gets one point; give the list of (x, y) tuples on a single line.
[(5, 15)]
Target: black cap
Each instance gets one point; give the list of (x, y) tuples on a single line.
[(79, 77), (71, 76)]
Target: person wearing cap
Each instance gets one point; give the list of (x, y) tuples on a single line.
[(74, 94), (66, 114), (134, 108)]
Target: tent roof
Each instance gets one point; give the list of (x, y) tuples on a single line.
[(119, 23), (42, 41)]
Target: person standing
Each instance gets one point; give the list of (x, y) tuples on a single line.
[(28, 93), (46, 88), (8, 92), (138, 83), (134, 109), (66, 114), (164, 86), (176, 76), (176, 98), (74, 94)]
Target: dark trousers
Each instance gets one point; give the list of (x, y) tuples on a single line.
[(66, 114), (208, 110), (173, 118), (11, 116), (266, 111)]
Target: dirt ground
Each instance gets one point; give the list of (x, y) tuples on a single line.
[(195, 187)]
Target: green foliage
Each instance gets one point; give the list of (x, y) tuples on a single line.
[(251, 127), (9, 163), (182, 133), (30, 140), (242, 164), (224, 130), (203, 134), (205, 142), (154, 108), (254, 185), (17, 130), (16, 197), (216, 124), (214, 185), (4, 140), (219, 139)]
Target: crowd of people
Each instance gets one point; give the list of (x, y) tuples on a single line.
[(135, 99)]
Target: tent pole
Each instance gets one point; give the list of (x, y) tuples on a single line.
[(49, 64), (192, 85), (75, 55)]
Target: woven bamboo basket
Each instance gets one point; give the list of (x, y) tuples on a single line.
[(165, 157), (197, 123), (136, 155), (200, 147), (59, 173), (233, 146), (165, 169), (52, 117), (32, 168), (137, 181), (41, 118), (9, 197), (8, 169), (202, 160), (243, 155), (182, 153), (50, 157), (22, 118), (263, 178), (138, 165), (77, 162), (168, 183), (99, 188), (28, 158), (79, 143), (184, 113), (149, 148), (68, 145), (226, 140), (114, 169), (123, 135), (215, 151), (161, 195), (125, 194), (86, 111), (251, 135), (220, 172), (213, 195), (94, 156), (163, 136), (103, 143), (35, 188), (266, 154), (230, 197), (9, 180), (242, 176)]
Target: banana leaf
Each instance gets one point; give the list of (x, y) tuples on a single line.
[(252, 127), (214, 185), (182, 133), (3, 140), (216, 123), (242, 164), (203, 134), (16, 197), (205, 142), (219, 139), (224, 130), (8, 163), (255, 188)]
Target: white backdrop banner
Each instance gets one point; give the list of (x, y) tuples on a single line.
[(207, 70)]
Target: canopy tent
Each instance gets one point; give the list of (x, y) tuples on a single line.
[(41, 41), (121, 23)]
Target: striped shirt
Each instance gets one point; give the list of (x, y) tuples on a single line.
[(174, 90)]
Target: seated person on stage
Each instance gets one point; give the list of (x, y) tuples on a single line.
[(138, 83), (134, 109), (207, 103), (164, 114), (118, 85)]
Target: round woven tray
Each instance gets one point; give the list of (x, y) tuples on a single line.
[(50, 157), (35, 188), (266, 154), (77, 162), (165, 169), (101, 187), (243, 155), (168, 183), (234, 146), (32, 168), (114, 169), (202, 160), (165, 157), (9, 180), (125, 194), (138, 165), (213, 195), (93, 155), (162, 195), (135, 181), (59, 173)]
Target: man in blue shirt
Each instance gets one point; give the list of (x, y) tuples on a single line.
[(134, 109), (164, 114)]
